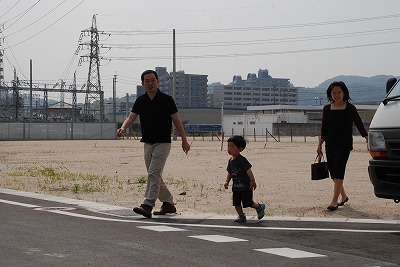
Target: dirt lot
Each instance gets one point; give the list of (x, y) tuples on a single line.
[(113, 172)]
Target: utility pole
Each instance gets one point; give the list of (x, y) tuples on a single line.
[(127, 111), (45, 103), (173, 65), (94, 94), (174, 137), (30, 91), (74, 101), (1, 59), (16, 94), (4, 109), (62, 101), (114, 99)]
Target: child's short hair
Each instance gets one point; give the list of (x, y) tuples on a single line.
[(238, 140)]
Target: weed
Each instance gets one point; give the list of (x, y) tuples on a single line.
[(76, 188), (179, 183), (201, 189), (120, 185), (141, 180), (52, 177)]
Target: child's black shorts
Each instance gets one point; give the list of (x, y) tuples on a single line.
[(242, 198)]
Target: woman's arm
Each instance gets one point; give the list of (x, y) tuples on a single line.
[(358, 122)]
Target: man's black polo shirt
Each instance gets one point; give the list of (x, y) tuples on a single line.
[(155, 117)]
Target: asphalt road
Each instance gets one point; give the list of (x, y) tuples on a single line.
[(38, 232)]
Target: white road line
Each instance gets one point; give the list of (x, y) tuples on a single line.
[(18, 203), (162, 228), (290, 253), (218, 238), (144, 221), (64, 200)]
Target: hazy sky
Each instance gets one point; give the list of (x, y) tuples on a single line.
[(307, 41)]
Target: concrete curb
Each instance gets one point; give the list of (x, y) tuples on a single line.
[(128, 212)]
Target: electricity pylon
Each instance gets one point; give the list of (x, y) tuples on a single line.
[(94, 100)]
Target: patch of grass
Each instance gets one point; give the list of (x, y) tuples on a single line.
[(179, 183), (16, 174), (76, 188), (120, 185), (141, 180), (59, 179), (47, 172)]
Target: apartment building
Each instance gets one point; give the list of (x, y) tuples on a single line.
[(256, 90), (190, 91)]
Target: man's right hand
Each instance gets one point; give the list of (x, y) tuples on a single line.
[(120, 131)]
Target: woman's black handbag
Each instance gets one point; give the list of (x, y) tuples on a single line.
[(319, 170)]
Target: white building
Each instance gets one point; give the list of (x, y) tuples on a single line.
[(260, 119), (258, 123), (255, 90)]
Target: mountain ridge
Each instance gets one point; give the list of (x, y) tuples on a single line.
[(363, 90)]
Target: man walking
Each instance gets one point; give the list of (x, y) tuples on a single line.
[(156, 111)]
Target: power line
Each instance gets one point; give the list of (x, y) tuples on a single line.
[(252, 54), (21, 15), (242, 42), (47, 26), (34, 21), (16, 61), (251, 42), (10, 46), (275, 27), (10, 9)]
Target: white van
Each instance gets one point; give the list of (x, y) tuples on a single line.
[(384, 145)]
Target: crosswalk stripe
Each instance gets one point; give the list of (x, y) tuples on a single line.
[(162, 228), (217, 238), (290, 253)]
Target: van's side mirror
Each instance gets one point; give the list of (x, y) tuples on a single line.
[(389, 84)]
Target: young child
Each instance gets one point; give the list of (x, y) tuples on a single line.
[(239, 170)]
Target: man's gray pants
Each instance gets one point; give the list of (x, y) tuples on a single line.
[(155, 157)]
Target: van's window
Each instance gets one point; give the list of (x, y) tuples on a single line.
[(395, 91)]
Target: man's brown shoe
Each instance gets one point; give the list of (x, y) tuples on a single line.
[(166, 207), (144, 210)]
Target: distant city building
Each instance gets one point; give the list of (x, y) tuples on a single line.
[(123, 107), (58, 112), (190, 91), (255, 91), (210, 92), (120, 107), (140, 90)]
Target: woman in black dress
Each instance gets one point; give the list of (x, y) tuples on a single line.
[(337, 133)]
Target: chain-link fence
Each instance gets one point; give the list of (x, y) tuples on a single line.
[(57, 131)]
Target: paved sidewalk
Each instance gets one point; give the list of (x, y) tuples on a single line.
[(128, 212)]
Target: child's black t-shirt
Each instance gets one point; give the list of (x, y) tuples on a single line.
[(238, 169)]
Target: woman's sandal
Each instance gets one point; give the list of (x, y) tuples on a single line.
[(344, 201), (332, 208)]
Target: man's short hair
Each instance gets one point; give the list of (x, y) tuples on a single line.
[(148, 72)]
